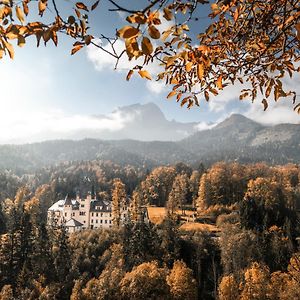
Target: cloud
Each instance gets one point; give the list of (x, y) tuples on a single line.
[(204, 126), (41, 125), (103, 61)]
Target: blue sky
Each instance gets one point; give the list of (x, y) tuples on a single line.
[(44, 85)]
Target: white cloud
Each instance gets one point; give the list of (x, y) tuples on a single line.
[(156, 87), (204, 126), (103, 61), (41, 125)]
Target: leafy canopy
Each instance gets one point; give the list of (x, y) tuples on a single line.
[(253, 42)]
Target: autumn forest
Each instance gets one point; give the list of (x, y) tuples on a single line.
[(229, 231)]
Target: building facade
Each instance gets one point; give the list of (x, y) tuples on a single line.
[(83, 213)]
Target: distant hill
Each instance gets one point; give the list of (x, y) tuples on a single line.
[(235, 139)]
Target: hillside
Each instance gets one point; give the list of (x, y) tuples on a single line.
[(235, 139)]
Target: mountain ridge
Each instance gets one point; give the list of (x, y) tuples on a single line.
[(237, 138)]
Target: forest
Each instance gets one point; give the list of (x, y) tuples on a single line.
[(251, 253)]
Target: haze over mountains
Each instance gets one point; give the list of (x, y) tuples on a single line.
[(144, 122), (235, 139)]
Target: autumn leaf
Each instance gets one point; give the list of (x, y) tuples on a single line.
[(153, 32), (128, 32), (200, 71), (130, 73), (81, 6), (189, 66), (219, 82), (10, 49), (147, 47), (42, 7), (138, 18), (20, 14), (145, 74), (21, 41), (167, 14), (25, 8), (171, 94), (206, 95), (94, 6), (265, 103), (76, 48), (297, 26)]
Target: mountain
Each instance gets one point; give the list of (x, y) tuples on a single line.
[(241, 139), (144, 122), (235, 139)]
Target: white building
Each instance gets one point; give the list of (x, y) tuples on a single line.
[(77, 214)]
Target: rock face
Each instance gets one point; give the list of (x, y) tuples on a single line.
[(235, 139)]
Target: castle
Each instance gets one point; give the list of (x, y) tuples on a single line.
[(89, 213)]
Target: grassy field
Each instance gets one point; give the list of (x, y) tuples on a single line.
[(157, 214)]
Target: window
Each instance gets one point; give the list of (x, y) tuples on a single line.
[(101, 215), (96, 214), (73, 214), (82, 205), (105, 221), (96, 221), (92, 214), (109, 221), (82, 213), (83, 221), (110, 215), (92, 221), (65, 214), (124, 215), (101, 221)]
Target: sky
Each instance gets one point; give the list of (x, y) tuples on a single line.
[(47, 89)]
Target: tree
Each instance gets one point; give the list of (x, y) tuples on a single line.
[(118, 200), (145, 281), (256, 282), (204, 194), (178, 194), (251, 42), (181, 282), (228, 288)]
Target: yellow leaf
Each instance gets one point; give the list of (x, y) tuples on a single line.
[(236, 15), (153, 32), (147, 47), (214, 7), (219, 82), (128, 32), (145, 74), (10, 49), (188, 66), (20, 14), (171, 94), (200, 71), (42, 7)]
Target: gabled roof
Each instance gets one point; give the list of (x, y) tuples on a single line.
[(59, 205), (73, 223)]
